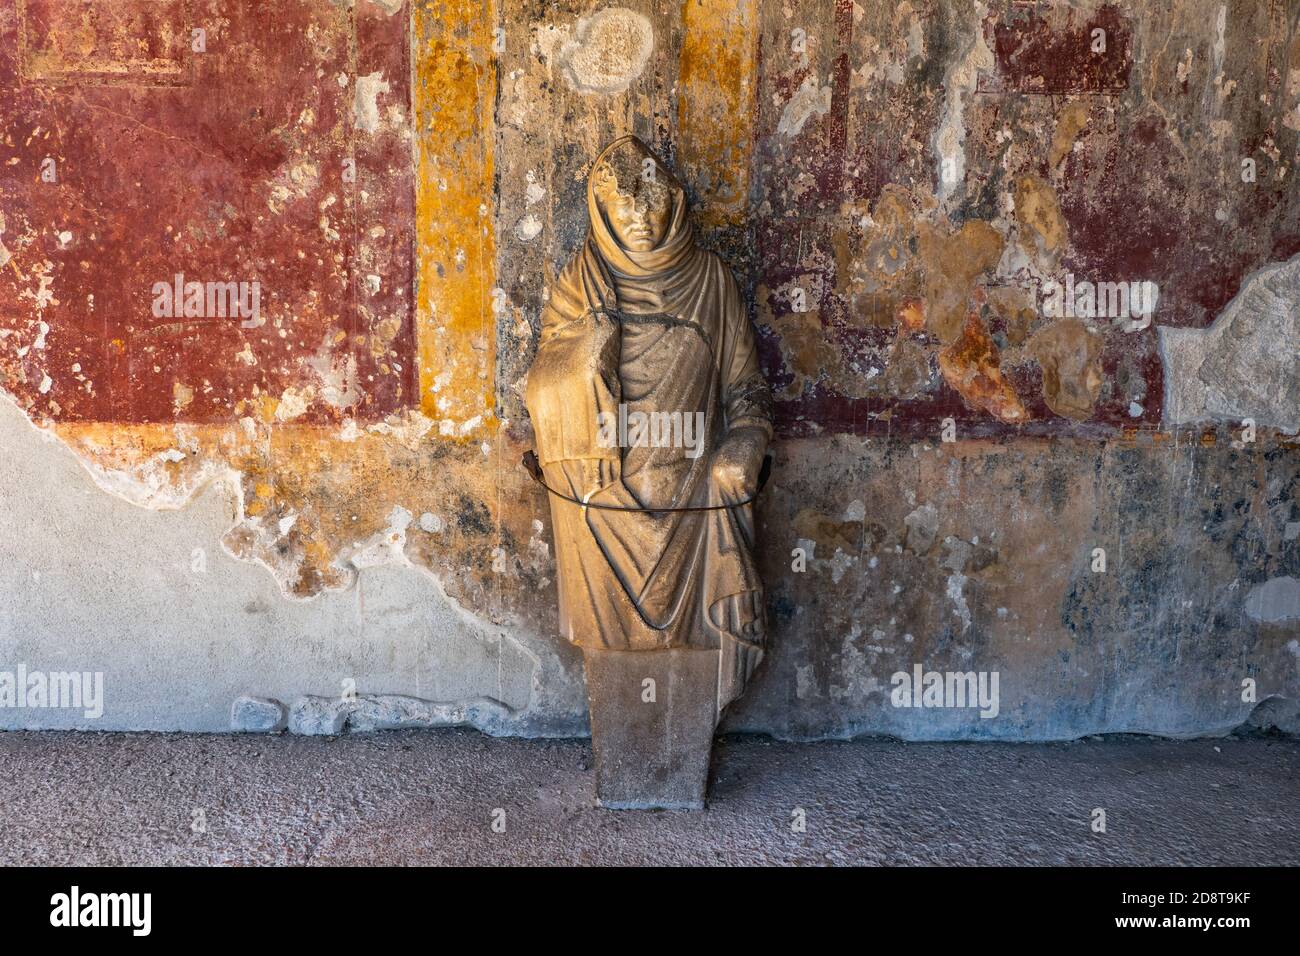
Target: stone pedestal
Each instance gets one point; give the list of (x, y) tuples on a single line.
[(653, 714)]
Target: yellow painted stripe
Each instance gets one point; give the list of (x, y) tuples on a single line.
[(455, 91), (716, 111)]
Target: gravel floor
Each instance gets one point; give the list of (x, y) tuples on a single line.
[(430, 797)]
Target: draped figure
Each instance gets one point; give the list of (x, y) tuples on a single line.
[(645, 326)]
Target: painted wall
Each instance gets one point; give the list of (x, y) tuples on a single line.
[(270, 281)]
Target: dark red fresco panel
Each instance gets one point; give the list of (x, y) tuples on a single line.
[(243, 161)]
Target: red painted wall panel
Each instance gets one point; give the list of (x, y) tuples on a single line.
[(133, 149)]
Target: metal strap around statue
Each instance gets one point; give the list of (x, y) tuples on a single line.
[(534, 468)]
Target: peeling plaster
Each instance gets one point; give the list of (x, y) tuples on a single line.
[(608, 52), (315, 716), (366, 109), (1275, 601), (213, 630), (959, 83), (808, 101), (1247, 364)]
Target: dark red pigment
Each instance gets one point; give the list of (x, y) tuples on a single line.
[(166, 164)]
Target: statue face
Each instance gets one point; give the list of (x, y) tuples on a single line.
[(637, 210), (639, 223)]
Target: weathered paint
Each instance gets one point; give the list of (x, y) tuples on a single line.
[(820, 165), (123, 171), (716, 108), (455, 94), (1090, 155)]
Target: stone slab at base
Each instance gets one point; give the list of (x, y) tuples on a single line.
[(652, 741)]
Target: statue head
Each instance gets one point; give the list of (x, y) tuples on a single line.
[(635, 195)]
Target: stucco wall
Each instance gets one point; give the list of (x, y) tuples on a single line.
[(326, 495)]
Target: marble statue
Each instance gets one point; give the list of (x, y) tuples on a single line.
[(652, 420)]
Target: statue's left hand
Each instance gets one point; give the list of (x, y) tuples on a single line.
[(737, 461)]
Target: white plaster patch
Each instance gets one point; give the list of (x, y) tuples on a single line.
[(1275, 601), (840, 563), (1247, 363), (956, 582), (1220, 38), (449, 427), (43, 296), (959, 85), (130, 607), (528, 228), (609, 50), (338, 375), (809, 100), (386, 547), (860, 679), (440, 382), (408, 429), (805, 682), (538, 548), (922, 528), (292, 181), (294, 403), (534, 193), (366, 104)]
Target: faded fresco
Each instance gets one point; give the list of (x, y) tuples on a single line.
[(1025, 276)]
